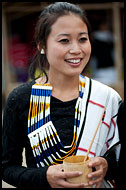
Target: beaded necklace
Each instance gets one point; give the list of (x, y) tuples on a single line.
[(45, 142)]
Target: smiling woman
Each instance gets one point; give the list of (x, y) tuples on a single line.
[(55, 116), (68, 41)]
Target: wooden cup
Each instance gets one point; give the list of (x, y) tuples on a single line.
[(76, 163)]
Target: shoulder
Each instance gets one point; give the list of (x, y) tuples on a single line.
[(23, 89), (104, 89), (103, 94), (19, 95)]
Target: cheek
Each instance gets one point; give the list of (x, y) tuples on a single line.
[(58, 51), (87, 49), (87, 53), (55, 52)]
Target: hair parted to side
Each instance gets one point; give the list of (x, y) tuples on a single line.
[(47, 18)]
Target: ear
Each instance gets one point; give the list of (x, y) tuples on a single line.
[(39, 47)]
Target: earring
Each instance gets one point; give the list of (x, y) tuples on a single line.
[(42, 51)]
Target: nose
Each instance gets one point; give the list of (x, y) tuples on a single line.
[(75, 48)]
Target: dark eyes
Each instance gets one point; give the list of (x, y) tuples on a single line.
[(65, 40), (83, 39)]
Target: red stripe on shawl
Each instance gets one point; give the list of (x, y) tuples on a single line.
[(96, 104), (105, 124), (107, 144), (113, 122), (85, 150)]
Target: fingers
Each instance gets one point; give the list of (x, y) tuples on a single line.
[(70, 174), (62, 180), (96, 180), (66, 184), (94, 162), (97, 176), (57, 177), (97, 173), (67, 175)]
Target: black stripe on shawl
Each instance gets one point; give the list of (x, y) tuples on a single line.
[(81, 132), (120, 102), (112, 148)]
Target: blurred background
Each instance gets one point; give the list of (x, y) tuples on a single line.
[(107, 59)]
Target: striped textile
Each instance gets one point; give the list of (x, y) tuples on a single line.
[(96, 97)]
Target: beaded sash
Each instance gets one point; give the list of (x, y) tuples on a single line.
[(45, 142)]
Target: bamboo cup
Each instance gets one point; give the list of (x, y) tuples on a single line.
[(80, 163), (76, 163)]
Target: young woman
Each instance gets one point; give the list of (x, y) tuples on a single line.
[(55, 116)]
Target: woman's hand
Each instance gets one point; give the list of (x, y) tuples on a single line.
[(56, 177), (101, 166)]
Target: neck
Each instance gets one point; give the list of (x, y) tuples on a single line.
[(64, 87)]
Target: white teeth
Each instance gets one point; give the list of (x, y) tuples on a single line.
[(74, 60)]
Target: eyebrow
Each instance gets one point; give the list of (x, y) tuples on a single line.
[(63, 34)]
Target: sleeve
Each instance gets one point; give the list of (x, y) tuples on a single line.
[(12, 146), (112, 166), (122, 135)]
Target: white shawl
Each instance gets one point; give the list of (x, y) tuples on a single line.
[(96, 96)]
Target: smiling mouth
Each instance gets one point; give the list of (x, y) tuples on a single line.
[(73, 61)]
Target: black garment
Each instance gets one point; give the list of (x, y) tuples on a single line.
[(122, 135), (15, 137)]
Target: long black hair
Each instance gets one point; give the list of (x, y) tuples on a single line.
[(47, 18)]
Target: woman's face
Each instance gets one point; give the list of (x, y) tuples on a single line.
[(68, 47)]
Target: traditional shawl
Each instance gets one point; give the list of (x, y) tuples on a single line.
[(96, 97), (93, 98)]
